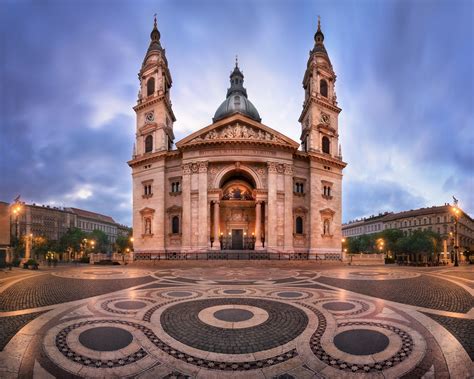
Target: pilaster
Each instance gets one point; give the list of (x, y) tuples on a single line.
[(186, 196), (271, 242), (203, 206), (288, 208)]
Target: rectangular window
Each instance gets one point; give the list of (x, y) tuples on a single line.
[(176, 187)]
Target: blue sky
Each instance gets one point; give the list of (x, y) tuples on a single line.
[(405, 82)]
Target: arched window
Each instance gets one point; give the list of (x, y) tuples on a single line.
[(299, 225), (148, 144), (323, 88), (326, 145), (150, 87), (175, 225)]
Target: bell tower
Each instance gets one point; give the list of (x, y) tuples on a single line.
[(155, 116), (319, 118)]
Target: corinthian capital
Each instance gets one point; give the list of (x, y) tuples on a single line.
[(186, 169), (288, 169), (203, 166), (272, 167)]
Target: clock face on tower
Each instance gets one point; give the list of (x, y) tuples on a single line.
[(149, 117)]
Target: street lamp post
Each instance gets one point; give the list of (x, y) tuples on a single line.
[(456, 213)]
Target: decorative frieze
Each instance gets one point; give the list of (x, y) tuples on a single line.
[(238, 132)]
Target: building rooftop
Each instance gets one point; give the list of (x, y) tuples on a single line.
[(91, 215)]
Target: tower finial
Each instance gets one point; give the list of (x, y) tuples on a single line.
[(236, 60), (319, 22), (154, 18)]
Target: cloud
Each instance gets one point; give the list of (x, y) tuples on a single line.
[(68, 84)]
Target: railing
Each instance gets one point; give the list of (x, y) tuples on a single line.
[(234, 255)]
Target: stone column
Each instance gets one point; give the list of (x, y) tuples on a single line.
[(216, 245), (203, 219), (186, 194), (288, 208), (258, 225), (271, 242)]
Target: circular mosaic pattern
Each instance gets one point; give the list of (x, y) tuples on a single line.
[(234, 292), (338, 363), (361, 341), (102, 272), (130, 304), (285, 322), (338, 306), (179, 294), (289, 295), (217, 274), (233, 315), (369, 274), (124, 305), (105, 338)]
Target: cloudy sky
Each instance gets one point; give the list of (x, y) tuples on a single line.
[(68, 81)]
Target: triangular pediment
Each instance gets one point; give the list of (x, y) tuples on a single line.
[(237, 129)]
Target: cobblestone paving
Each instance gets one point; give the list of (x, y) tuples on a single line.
[(11, 325), (462, 329), (424, 291), (178, 331), (463, 275), (48, 289), (285, 323)]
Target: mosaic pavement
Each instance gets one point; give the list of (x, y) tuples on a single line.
[(297, 320)]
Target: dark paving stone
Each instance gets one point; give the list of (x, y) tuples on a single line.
[(9, 326), (423, 291), (290, 295), (368, 273), (160, 285), (105, 338), (338, 306), (233, 315), (462, 329), (132, 304), (234, 292), (285, 322), (179, 294), (48, 289), (361, 341)]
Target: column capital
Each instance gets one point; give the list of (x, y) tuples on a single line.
[(203, 166), (186, 169), (272, 167), (288, 169)]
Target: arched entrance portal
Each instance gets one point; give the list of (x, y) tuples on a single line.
[(237, 218)]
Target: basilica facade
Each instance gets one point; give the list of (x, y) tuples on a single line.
[(237, 184)]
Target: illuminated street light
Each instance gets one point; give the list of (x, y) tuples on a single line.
[(456, 213)]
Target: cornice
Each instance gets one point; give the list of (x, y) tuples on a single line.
[(326, 159), (154, 100), (152, 157), (320, 102)]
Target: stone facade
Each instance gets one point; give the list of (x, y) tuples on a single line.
[(236, 184), (438, 219)]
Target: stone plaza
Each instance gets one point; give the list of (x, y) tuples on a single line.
[(248, 319)]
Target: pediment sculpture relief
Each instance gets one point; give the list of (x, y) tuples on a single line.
[(238, 131)]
